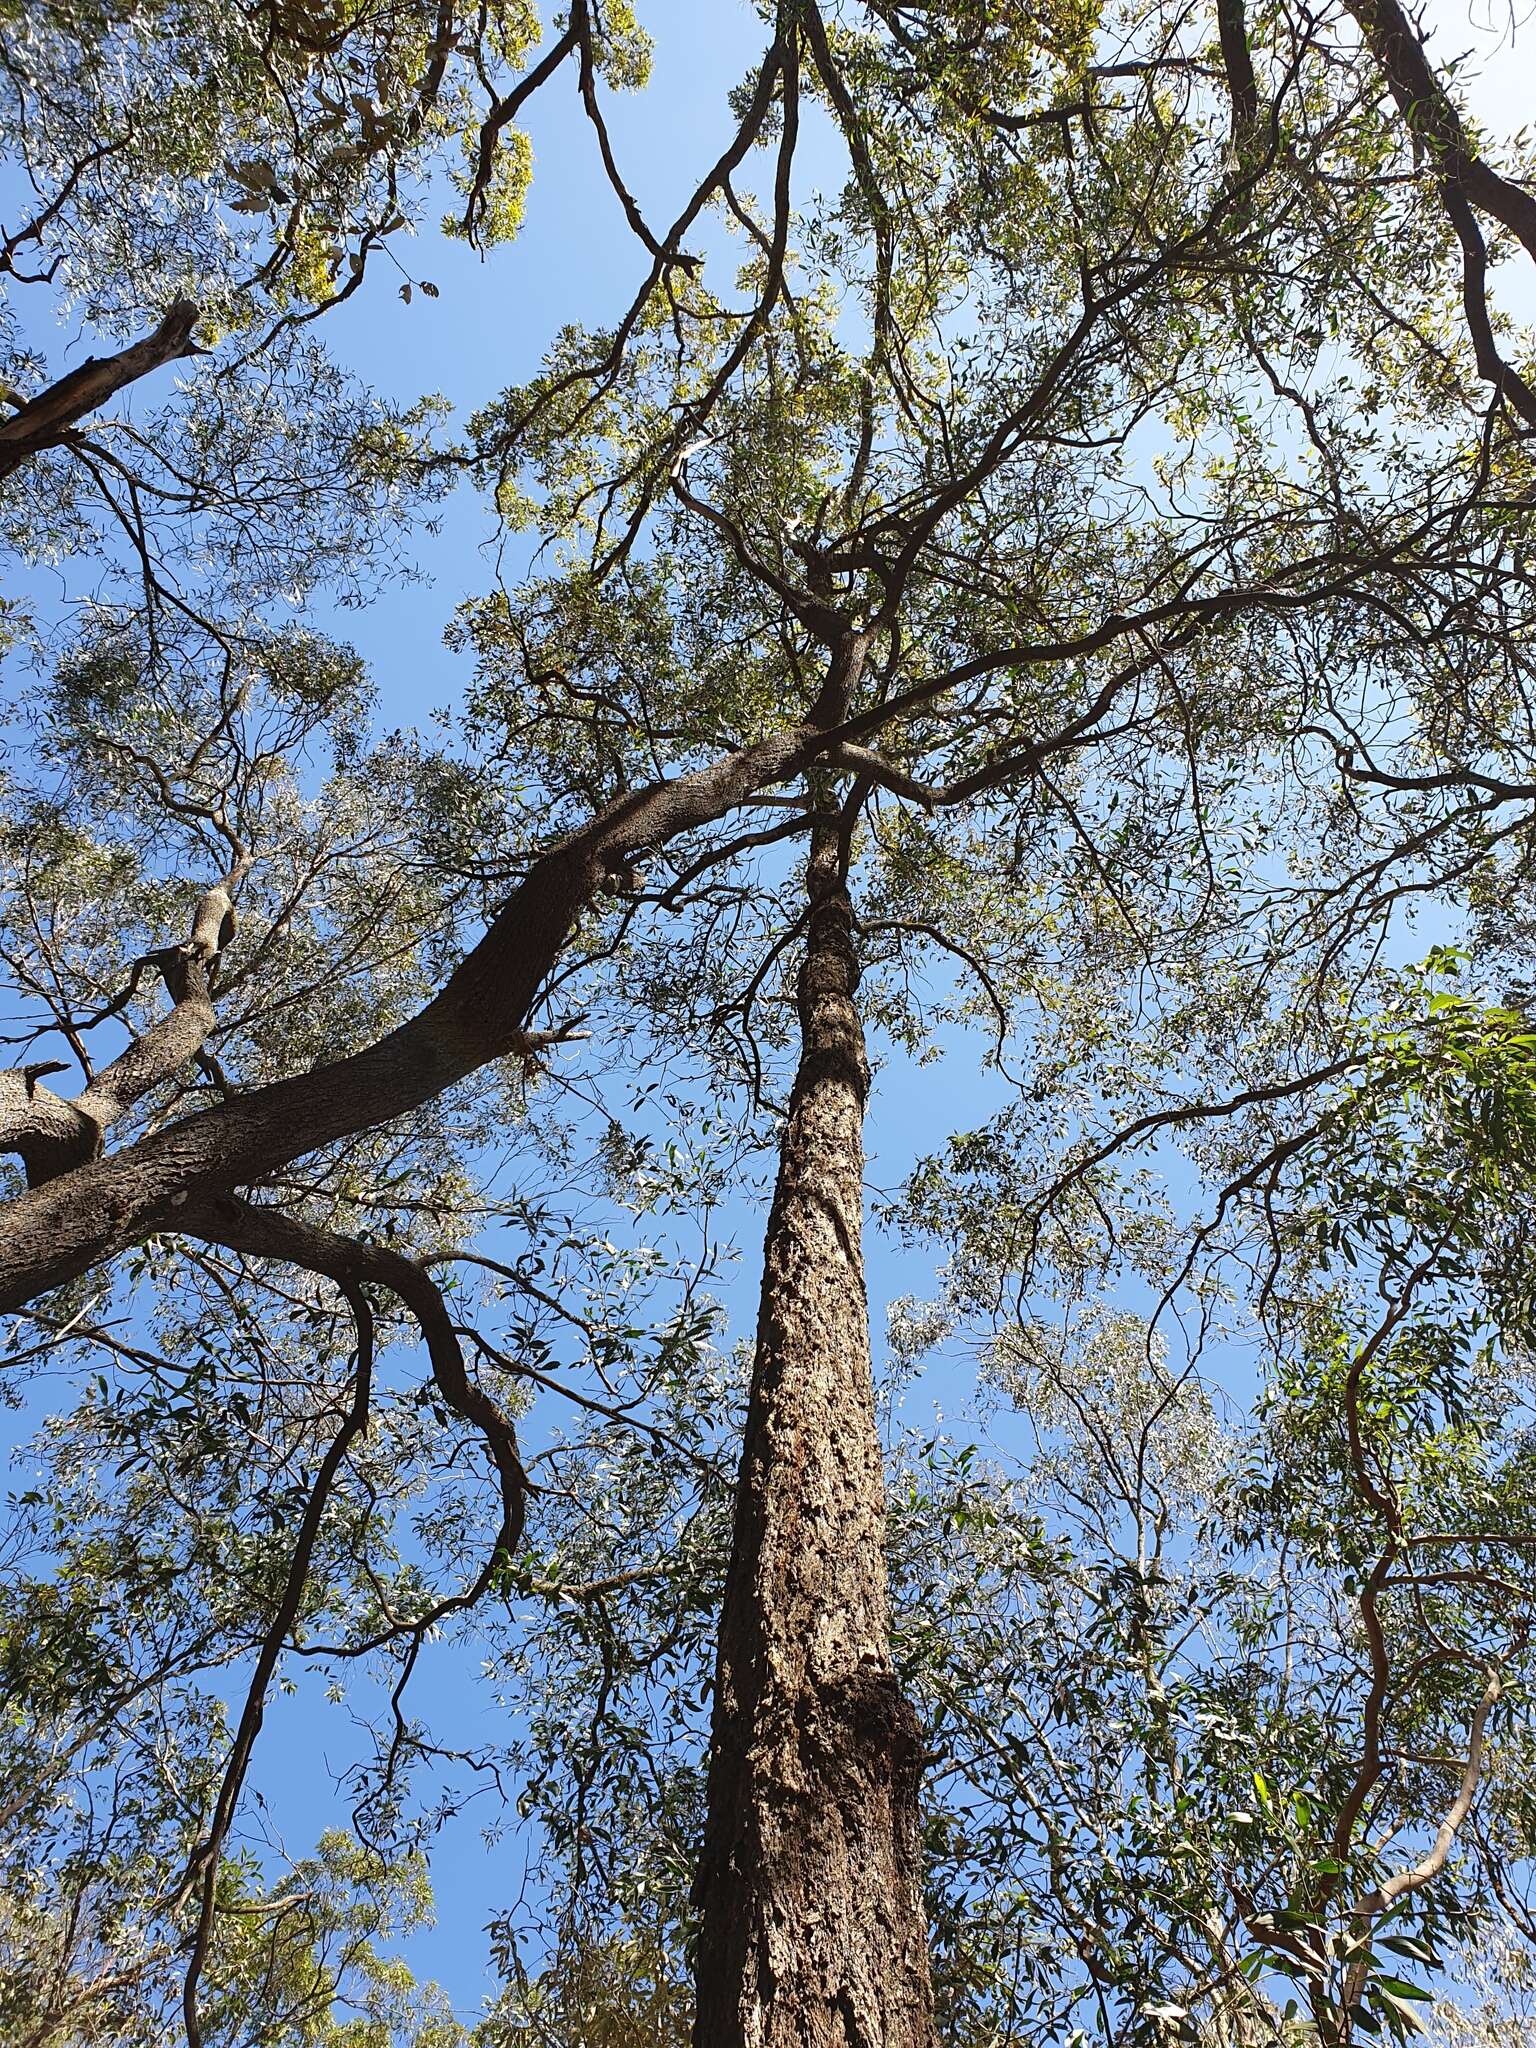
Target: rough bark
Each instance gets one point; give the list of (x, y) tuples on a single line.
[(44, 421), (810, 1889)]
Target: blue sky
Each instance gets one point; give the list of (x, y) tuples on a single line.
[(575, 260)]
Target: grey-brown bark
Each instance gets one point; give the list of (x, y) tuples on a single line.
[(56, 1232), (52, 1134), (810, 1883), (45, 420)]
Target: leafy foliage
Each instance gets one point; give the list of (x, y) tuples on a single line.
[(1110, 500)]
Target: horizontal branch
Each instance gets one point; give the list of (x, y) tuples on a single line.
[(54, 1233)]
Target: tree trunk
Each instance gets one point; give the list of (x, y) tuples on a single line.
[(810, 1883)]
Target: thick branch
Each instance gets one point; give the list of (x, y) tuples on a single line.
[(1237, 60), (47, 1132), (44, 421), (1466, 180), (54, 1233), (1434, 122), (53, 1135)]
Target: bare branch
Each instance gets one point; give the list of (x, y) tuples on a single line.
[(45, 421)]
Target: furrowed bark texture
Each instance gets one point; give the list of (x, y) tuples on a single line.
[(810, 1883)]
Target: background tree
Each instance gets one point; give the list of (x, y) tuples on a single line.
[(1198, 1749)]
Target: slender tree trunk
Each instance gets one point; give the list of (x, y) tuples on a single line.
[(810, 1884)]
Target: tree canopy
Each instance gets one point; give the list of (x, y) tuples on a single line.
[(1015, 631)]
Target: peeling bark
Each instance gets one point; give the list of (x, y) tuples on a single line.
[(810, 1885)]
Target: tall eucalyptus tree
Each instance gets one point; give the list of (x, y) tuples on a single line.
[(1123, 473)]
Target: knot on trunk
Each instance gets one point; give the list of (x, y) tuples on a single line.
[(863, 1730), (184, 971)]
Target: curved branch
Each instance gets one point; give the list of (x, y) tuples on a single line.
[(1405, 1882), (243, 1226), (268, 1233), (1466, 179)]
